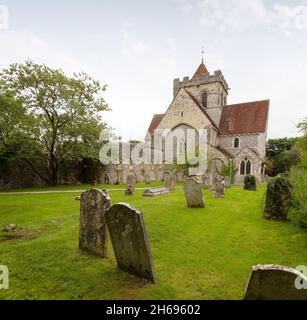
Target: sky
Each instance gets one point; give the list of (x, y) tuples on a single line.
[(138, 47)]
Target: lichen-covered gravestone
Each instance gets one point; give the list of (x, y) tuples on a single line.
[(170, 181), (93, 227), (278, 197), (227, 182), (129, 239), (130, 184), (147, 178), (193, 189), (218, 187), (271, 282)]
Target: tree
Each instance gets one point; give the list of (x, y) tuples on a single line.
[(275, 147), (51, 115), (229, 170)]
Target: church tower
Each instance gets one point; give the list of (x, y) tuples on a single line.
[(211, 90)]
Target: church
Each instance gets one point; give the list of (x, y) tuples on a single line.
[(236, 133)]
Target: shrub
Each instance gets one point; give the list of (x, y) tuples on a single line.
[(250, 183), (230, 171), (298, 211), (278, 196)]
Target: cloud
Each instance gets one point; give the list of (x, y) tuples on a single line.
[(234, 14), (242, 15), (18, 46)]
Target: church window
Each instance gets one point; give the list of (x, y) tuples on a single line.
[(204, 99), (245, 167), (242, 168), (236, 143), (248, 167), (182, 114)]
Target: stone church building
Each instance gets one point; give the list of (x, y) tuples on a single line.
[(236, 132)]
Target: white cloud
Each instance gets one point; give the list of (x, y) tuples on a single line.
[(234, 14), (18, 46), (241, 15)]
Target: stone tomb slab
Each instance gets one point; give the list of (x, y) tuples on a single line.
[(129, 239), (155, 192), (271, 282), (93, 228)]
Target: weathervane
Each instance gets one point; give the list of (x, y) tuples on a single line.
[(202, 54)]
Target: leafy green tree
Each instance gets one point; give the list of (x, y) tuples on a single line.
[(275, 147), (50, 115)]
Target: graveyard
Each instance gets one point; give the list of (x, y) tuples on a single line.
[(198, 253)]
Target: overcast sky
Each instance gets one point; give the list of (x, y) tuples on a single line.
[(139, 47)]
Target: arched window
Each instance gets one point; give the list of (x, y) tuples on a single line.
[(204, 99), (236, 143), (248, 167), (245, 167), (242, 168)]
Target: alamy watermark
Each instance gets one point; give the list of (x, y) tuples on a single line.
[(4, 278), (166, 146), (301, 282), (4, 17)]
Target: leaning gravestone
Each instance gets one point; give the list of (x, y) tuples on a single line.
[(130, 184), (218, 187), (129, 239), (155, 192), (271, 282), (93, 228), (193, 189), (170, 181)]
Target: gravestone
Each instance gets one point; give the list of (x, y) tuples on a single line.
[(271, 282), (227, 182), (155, 192), (193, 189), (218, 188), (130, 184), (93, 228), (129, 239), (170, 181), (147, 178)]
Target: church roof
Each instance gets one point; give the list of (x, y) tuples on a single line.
[(250, 117), (157, 118), (201, 71)]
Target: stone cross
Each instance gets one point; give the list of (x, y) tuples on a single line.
[(129, 239), (93, 229), (271, 282), (193, 189)]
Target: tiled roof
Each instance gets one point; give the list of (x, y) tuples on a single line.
[(250, 117), (157, 118), (201, 71)]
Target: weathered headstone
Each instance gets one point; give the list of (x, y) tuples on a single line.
[(93, 228), (155, 192), (271, 282), (227, 182), (129, 239), (147, 178), (130, 183), (193, 189), (218, 186), (170, 181)]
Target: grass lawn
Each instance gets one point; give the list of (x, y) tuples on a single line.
[(198, 253), (79, 187)]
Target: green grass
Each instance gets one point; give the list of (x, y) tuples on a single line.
[(79, 187), (198, 253)]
